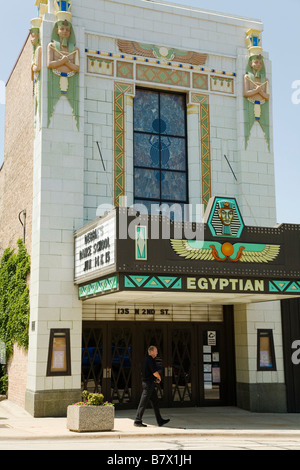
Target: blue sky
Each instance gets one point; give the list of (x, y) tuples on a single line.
[(280, 39)]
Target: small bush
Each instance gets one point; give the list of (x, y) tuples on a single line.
[(93, 399)]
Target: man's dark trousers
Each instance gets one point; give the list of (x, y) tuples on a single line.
[(149, 394)]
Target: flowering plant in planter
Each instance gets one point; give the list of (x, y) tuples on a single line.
[(93, 399), (91, 414)]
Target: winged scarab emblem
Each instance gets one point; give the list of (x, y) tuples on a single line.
[(161, 52), (210, 251)]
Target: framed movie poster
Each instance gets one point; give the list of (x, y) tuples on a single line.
[(265, 350), (59, 357)]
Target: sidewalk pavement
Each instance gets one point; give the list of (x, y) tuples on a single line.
[(17, 424)]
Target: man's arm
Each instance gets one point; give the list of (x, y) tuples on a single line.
[(157, 376), (51, 62)]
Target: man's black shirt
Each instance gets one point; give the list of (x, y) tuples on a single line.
[(148, 368)]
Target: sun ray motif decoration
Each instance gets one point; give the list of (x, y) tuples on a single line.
[(121, 89)]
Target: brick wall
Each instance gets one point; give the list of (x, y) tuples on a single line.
[(17, 170), (16, 187), (17, 376)]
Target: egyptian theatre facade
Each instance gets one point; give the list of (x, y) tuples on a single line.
[(131, 105)]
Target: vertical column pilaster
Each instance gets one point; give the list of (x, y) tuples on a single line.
[(58, 192), (194, 157), (121, 90), (205, 148)]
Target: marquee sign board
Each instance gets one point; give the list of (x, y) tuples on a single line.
[(95, 249), (231, 258)]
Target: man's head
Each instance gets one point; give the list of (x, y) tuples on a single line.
[(152, 351), (256, 66), (35, 36), (63, 33), (257, 63), (64, 30)]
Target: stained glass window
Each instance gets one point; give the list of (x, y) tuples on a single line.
[(160, 148)]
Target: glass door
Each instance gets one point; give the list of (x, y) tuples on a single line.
[(157, 336), (92, 359), (107, 361), (196, 362), (120, 364), (182, 360)]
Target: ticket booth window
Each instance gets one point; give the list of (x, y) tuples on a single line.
[(59, 356), (265, 350)]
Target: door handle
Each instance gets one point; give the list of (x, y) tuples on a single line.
[(107, 373)]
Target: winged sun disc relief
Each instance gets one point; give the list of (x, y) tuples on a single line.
[(225, 221), (161, 52), (211, 251)]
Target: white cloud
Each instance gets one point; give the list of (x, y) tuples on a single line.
[(2, 92)]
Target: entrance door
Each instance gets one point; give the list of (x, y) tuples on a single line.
[(120, 364), (156, 336), (182, 358), (196, 362), (108, 365), (175, 352), (193, 361), (92, 360)]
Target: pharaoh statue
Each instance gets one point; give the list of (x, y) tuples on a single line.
[(36, 64), (63, 62), (256, 89)]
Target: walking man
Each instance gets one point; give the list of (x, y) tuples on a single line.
[(150, 376)]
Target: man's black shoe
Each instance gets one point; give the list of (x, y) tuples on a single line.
[(164, 421), (140, 425)]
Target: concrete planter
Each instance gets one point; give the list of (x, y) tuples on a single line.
[(81, 418)]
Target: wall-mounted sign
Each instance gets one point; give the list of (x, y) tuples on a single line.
[(153, 312), (95, 249), (209, 284), (211, 338), (225, 284)]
